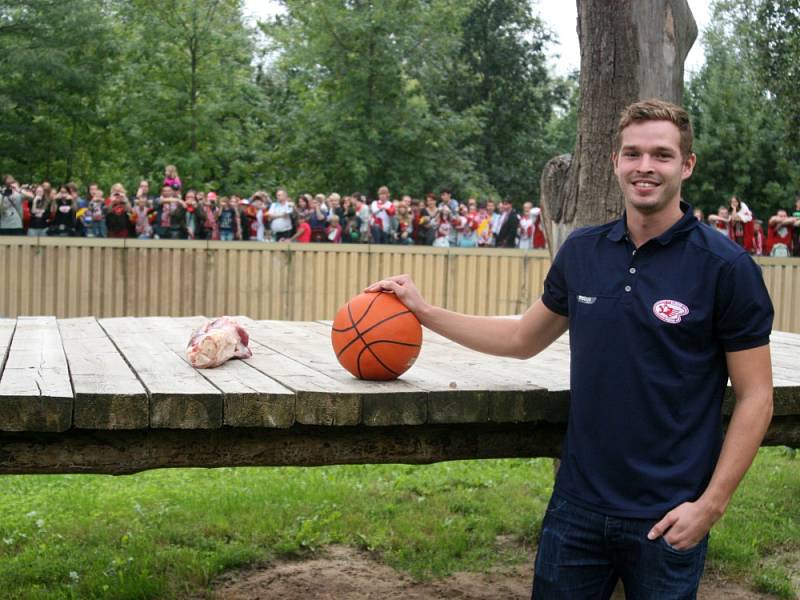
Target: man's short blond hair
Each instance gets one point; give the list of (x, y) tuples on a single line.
[(657, 110)]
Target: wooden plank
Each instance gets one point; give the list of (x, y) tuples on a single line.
[(107, 393), (527, 390), (453, 396), (338, 398), (7, 327), (180, 398), (35, 390), (251, 399), (463, 389)]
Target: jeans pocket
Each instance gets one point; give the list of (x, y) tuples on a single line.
[(686, 551), (556, 504)]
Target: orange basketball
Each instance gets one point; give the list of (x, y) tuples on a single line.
[(375, 336)]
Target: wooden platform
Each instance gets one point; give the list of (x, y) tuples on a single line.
[(117, 395)]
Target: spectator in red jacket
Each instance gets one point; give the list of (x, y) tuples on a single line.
[(780, 230)]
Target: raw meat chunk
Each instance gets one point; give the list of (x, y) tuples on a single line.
[(217, 341)]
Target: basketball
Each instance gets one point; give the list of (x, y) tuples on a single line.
[(375, 336)]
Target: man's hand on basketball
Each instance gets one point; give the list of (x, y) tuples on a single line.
[(685, 525), (403, 286)]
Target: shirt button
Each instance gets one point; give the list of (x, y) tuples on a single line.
[(627, 288), (632, 270)]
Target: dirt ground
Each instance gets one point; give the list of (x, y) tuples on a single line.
[(344, 573)]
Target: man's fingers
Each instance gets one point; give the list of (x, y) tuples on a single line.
[(385, 285), (662, 526), (390, 284)]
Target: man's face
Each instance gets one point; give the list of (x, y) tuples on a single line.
[(92, 190), (384, 196), (490, 207), (144, 186), (723, 212), (782, 214), (649, 166), (166, 192), (281, 196), (406, 201), (446, 197)]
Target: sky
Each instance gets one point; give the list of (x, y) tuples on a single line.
[(561, 17)]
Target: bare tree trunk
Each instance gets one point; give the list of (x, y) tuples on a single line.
[(630, 50)]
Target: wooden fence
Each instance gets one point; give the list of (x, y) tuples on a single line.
[(108, 278)]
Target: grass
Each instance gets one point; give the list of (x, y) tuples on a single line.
[(163, 534)]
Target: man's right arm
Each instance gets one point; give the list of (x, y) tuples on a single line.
[(517, 338)]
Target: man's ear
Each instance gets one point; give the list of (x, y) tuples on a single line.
[(688, 166)]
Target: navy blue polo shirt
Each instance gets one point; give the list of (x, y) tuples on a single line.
[(649, 329)]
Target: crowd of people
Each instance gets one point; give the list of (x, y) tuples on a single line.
[(737, 221), (178, 213), (437, 220)]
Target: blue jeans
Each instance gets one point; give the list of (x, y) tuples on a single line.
[(582, 554), (97, 229)]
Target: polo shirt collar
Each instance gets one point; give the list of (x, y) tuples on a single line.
[(688, 221)]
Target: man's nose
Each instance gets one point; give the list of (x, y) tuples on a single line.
[(645, 164)]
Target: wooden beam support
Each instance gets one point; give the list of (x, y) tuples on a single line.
[(130, 451)]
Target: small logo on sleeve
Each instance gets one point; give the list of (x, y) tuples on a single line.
[(587, 299), (670, 311)]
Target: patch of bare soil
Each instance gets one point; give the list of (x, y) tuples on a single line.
[(344, 573)]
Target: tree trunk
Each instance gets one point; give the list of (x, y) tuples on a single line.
[(630, 50)]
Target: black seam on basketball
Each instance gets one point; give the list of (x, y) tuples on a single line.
[(373, 342), (376, 357), (361, 318), (360, 335)]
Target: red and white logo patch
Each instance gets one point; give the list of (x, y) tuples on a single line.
[(670, 311)]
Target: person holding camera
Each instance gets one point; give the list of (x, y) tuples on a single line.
[(64, 220), (40, 213), (171, 223), (11, 197), (118, 216)]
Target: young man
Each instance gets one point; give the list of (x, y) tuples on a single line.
[(661, 310), (507, 231)]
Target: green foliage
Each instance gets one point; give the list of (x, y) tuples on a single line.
[(185, 94), (745, 141), (55, 58), (776, 37), (353, 109), (500, 74)]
